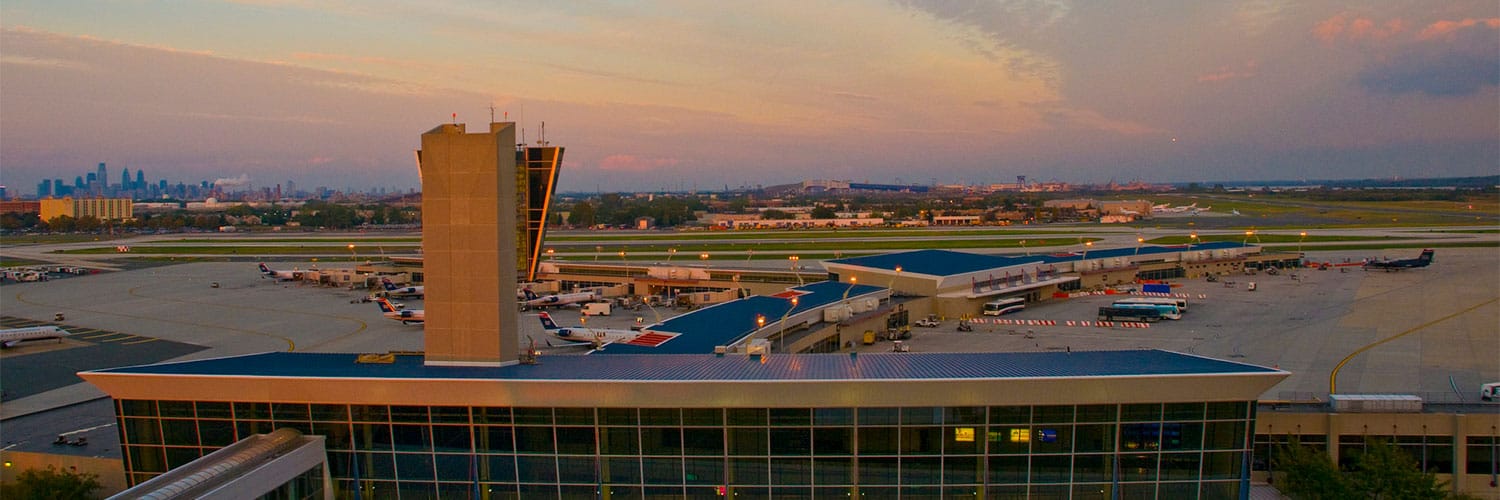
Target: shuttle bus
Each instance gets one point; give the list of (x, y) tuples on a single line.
[(1109, 313), (1180, 303), (1168, 311), (1004, 306)]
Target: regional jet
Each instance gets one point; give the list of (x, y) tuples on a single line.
[(280, 275), (11, 337), (391, 290), (582, 335), (405, 316), (561, 299)]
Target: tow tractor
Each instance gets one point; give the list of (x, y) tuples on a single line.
[(930, 321)]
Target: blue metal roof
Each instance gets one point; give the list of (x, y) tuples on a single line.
[(699, 367), (951, 263), (723, 324)]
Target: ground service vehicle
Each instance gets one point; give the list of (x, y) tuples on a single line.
[(1490, 391), (1148, 315), (596, 309), (1180, 303), (1168, 311), (1004, 306)]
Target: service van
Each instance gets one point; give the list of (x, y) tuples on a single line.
[(596, 309)]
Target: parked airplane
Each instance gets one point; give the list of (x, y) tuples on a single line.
[(1163, 208), (391, 290), (1399, 264), (280, 275), (598, 337), (405, 316), (561, 299), (12, 336)]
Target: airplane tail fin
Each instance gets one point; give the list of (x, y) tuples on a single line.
[(264, 269), (530, 295), (387, 283), (385, 305), (1426, 256), (547, 323)]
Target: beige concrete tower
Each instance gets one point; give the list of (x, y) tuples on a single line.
[(469, 244)]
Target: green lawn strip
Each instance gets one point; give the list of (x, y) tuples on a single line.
[(1265, 238), (364, 253), (19, 263), (799, 234), (689, 249), (49, 239), (357, 240), (1375, 246)]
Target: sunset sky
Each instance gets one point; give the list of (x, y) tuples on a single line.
[(699, 95)]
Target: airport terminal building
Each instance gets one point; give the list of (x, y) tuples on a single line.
[(475, 416)]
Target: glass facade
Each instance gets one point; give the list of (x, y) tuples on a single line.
[(1172, 450)]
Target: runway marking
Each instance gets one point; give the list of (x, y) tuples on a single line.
[(142, 341), (99, 336), (86, 429), (1334, 377)]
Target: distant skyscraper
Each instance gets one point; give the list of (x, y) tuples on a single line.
[(140, 179), (44, 189), (90, 182), (102, 176), (125, 179)]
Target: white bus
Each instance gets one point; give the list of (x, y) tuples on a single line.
[(1004, 306), (1180, 303), (1168, 311)]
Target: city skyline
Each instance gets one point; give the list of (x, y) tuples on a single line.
[(762, 94)]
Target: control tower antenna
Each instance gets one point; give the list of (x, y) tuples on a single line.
[(543, 141), (492, 112)]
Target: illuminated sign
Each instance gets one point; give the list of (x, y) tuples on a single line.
[(963, 434), (1020, 435)]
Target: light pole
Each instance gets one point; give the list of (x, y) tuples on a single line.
[(1085, 259), (622, 258), (793, 259), (853, 280), (597, 250), (352, 256), (704, 257), (1192, 237), (760, 322), (671, 252), (551, 254), (1301, 236), (893, 280), (781, 337), (1248, 234), (1138, 241)]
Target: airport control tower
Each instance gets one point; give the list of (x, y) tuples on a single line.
[(484, 200)]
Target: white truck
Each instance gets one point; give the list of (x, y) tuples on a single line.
[(596, 309)]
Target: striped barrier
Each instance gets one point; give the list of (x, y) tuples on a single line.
[(1049, 322)]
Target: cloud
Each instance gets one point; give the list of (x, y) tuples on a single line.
[(40, 62), (1460, 62), (1448, 28), (632, 163), (1227, 73), (1350, 27)]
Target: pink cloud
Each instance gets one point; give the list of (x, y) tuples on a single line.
[(1226, 73), (1446, 28), (632, 163), (1347, 26)]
